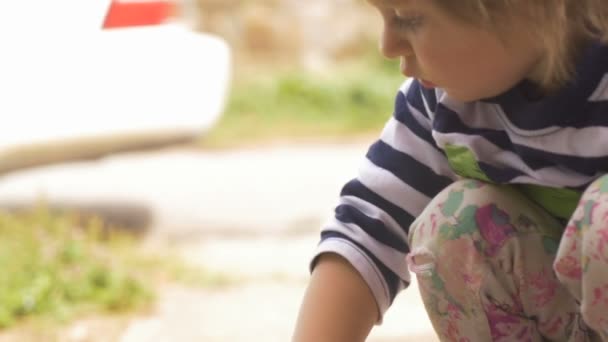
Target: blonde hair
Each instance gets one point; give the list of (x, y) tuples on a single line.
[(561, 26)]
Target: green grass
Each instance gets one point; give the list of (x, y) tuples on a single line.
[(58, 267), (354, 99)]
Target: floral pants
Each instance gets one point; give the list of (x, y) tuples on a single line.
[(493, 266)]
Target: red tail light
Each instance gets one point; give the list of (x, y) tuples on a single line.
[(127, 13)]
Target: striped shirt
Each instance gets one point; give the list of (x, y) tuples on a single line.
[(552, 149)]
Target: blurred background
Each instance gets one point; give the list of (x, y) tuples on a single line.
[(300, 70), (166, 170)]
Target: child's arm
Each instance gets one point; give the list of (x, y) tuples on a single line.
[(401, 173), (338, 305)]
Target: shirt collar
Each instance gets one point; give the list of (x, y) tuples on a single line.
[(557, 109)]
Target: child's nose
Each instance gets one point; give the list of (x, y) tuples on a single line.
[(392, 45)]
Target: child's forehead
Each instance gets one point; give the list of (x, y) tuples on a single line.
[(399, 3)]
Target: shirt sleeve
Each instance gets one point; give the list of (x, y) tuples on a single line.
[(402, 171)]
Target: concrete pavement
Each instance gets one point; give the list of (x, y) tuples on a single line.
[(253, 214), (276, 189)]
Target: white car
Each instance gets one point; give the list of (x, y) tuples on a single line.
[(84, 78)]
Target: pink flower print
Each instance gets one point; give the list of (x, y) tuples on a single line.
[(420, 230), (570, 231), (434, 224), (463, 272), (501, 322), (569, 266), (601, 244), (494, 227), (600, 295), (553, 327), (473, 281), (544, 287), (454, 312), (452, 331)]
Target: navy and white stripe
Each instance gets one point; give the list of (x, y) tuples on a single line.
[(560, 141)]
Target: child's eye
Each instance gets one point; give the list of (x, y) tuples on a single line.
[(408, 23)]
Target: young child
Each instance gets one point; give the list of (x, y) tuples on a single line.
[(490, 182)]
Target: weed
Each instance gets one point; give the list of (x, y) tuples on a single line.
[(355, 99), (58, 266)]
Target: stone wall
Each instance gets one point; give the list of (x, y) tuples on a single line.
[(308, 32)]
